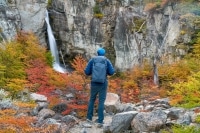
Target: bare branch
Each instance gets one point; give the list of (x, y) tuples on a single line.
[(141, 27)]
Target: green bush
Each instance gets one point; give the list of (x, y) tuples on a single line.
[(49, 59), (197, 120), (49, 3), (97, 11), (186, 94), (15, 57), (181, 129)]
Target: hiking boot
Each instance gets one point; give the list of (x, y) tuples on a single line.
[(99, 125), (96, 121), (89, 121), (87, 124)]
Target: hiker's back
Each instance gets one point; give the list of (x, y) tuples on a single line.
[(99, 69)]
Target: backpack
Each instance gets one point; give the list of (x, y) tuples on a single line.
[(99, 69)]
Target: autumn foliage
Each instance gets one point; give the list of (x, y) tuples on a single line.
[(135, 85), (25, 64), (79, 84), (186, 92), (155, 4), (9, 123)]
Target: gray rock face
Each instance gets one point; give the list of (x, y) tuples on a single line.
[(32, 16), (9, 22), (26, 15), (128, 34), (159, 32)]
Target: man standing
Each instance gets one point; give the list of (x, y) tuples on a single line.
[(98, 88)]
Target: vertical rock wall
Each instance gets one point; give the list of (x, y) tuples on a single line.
[(10, 21), (26, 15), (32, 16), (127, 32)]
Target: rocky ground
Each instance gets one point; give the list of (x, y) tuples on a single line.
[(85, 127), (143, 117)]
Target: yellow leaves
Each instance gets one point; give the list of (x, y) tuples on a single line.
[(115, 84), (140, 71), (29, 45), (16, 123), (176, 99), (57, 79), (98, 15), (129, 85), (196, 50), (7, 118), (177, 71), (10, 57), (7, 112), (25, 104), (2, 75), (187, 92), (16, 85), (11, 122), (7, 129), (15, 56)]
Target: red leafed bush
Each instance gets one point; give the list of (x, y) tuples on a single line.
[(66, 112), (37, 76)]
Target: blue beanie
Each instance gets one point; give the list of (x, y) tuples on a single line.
[(101, 51)]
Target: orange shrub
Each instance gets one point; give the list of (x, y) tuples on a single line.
[(164, 3), (150, 7)]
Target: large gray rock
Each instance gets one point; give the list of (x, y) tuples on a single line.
[(112, 103), (185, 119), (38, 97), (174, 113), (125, 107), (149, 121), (122, 121), (46, 113)]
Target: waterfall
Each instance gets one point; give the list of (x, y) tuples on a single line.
[(53, 47)]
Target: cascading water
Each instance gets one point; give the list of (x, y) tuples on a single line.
[(53, 47)]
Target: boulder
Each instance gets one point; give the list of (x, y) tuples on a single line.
[(112, 102), (38, 97), (122, 121), (149, 121)]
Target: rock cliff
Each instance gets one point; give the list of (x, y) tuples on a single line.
[(24, 15), (130, 30)]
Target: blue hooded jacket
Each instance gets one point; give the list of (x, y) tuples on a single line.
[(110, 68)]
